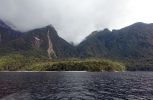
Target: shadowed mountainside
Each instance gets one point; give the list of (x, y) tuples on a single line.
[(43, 42), (135, 41), (132, 44)]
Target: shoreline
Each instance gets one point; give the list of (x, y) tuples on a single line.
[(40, 71), (61, 71)]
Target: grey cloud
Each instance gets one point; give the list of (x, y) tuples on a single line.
[(73, 19)]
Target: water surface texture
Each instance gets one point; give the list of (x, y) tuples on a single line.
[(76, 86)]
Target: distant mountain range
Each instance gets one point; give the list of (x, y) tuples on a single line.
[(132, 42)]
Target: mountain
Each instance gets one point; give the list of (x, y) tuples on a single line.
[(7, 34), (42, 42), (47, 42), (132, 42), (3, 25)]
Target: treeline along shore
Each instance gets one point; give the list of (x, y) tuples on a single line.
[(17, 62)]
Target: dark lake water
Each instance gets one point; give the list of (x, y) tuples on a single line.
[(76, 86)]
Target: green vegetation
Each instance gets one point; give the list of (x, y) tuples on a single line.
[(103, 65), (139, 64), (17, 62)]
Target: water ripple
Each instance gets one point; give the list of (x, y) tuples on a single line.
[(76, 86)]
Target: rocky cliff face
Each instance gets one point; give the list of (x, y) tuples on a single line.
[(50, 50), (36, 42)]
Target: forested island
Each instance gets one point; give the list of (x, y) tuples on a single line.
[(17, 62)]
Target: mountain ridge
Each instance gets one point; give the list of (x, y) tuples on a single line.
[(37, 42), (133, 41), (127, 42)]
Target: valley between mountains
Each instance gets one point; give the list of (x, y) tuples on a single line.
[(129, 48)]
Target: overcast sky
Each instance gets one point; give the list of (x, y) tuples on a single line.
[(75, 19)]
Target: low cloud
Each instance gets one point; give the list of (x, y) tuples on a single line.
[(73, 19)]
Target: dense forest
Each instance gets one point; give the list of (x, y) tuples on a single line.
[(17, 62)]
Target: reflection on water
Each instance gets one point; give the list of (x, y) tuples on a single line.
[(76, 86)]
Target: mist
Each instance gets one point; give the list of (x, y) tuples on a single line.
[(74, 19)]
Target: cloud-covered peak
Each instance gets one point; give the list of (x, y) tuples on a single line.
[(74, 19)]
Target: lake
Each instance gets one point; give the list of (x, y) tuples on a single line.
[(76, 86)]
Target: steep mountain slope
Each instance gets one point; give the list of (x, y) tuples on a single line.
[(135, 41), (7, 34), (132, 42), (44, 42)]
